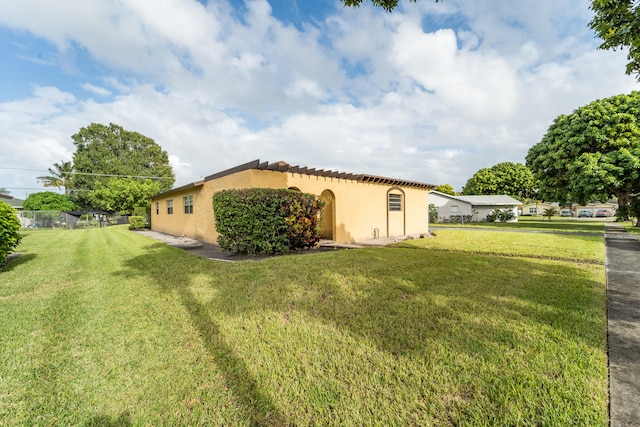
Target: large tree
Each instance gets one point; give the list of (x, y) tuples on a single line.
[(60, 176), (107, 152), (387, 5), (592, 154), (48, 201), (513, 179), (617, 23)]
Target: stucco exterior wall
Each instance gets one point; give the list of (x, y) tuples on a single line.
[(358, 209)]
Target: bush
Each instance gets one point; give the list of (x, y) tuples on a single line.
[(266, 221), (501, 215), (136, 222), (9, 231), (433, 213)]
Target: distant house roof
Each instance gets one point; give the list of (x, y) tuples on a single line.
[(11, 201), (483, 200), (490, 200), (285, 167)]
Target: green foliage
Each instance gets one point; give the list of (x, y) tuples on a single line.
[(446, 189), (111, 150), (617, 23), (266, 221), (61, 176), (549, 212), (387, 5), (512, 179), (123, 195), (501, 215), (136, 222), (591, 154), (9, 231), (433, 213), (48, 201)]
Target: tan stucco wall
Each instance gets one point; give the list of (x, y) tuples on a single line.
[(359, 208)]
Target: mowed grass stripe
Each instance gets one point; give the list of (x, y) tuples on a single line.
[(565, 247), (156, 336)]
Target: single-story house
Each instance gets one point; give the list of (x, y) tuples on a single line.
[(470, 208), (596, 209), (11, 201), (357, 206), (537, 209)]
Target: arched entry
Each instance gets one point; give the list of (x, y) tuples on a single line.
[(328, 215)]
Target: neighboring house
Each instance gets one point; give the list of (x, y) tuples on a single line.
[(14, 203), (537, 209), (597, 209), (471, 208), (11, 201), (357, 207)]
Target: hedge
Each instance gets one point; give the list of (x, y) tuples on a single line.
[(266, 221), (9, 231)]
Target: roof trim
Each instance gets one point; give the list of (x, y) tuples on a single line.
[(285, 167)]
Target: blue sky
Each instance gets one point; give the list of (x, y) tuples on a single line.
[(432, 92)]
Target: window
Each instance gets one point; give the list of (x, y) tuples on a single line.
[(454, 209), (170, 207), (157, 208), (188, 204), (395, 202), (533, 211)]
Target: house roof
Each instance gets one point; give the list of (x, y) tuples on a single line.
[(491, 200), (11, 201), (285, 167)]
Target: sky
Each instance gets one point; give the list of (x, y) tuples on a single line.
[(432, 92)]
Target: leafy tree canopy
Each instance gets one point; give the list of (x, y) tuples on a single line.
[(387, 5), (592, 154), (512, 179), (9, 231), (446, 189), (48, 201), (107, 152), (123, 195), (617, 23)]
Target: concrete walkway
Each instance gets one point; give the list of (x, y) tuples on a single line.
[(623, 311)]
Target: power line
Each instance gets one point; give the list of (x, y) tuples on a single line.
[(95, 174)]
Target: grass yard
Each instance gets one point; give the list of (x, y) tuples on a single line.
[(108, 327), (560, 246), (557, 224)]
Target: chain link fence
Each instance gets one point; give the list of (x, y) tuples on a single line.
[(59, 219)]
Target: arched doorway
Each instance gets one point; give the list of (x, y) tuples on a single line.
[(328, 215)]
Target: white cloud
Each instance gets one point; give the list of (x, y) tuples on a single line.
[(432, 92)]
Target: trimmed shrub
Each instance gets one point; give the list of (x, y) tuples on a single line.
[(501, 215), (266, 221), (9, 231), (136, 222)]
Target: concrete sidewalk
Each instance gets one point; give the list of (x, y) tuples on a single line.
[(623, 312)]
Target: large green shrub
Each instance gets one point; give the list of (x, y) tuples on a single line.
[(266, 221), (9, 231)]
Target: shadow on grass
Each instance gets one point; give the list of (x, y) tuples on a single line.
[(396, 298), (123, 420), (15, 260), (160, 265)]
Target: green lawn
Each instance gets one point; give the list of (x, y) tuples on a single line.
[(560, 246), (557, 224), (108, 327)]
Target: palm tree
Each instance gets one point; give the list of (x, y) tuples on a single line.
[(549, 212), (60, 176)]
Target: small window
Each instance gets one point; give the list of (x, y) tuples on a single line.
[(533, 211), (170, 207), (395, 202), (157, 208), (188, 204), (454, 209)]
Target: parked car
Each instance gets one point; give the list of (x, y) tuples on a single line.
[(566, 212), (603, 213), (585, 214)]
